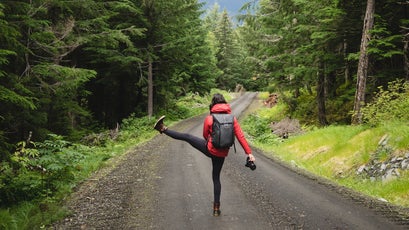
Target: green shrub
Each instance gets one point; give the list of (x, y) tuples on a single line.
[(133, 123), (259, 123), (256, 125), (38, 171), (389, 104)]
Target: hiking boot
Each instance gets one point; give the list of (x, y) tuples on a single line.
[(216, 209), (159, 125)]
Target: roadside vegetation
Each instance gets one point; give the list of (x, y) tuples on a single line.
[(49, 171), (338, 152)]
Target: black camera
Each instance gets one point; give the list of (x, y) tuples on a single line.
[(250, 164)]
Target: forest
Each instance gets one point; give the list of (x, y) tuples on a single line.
[(72, 68)]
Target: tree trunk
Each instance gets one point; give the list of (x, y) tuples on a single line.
[(406, 56), (150, 89), (363, 63), (346, 73), (322, 114)]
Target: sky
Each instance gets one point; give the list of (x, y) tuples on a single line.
[(232, 6)]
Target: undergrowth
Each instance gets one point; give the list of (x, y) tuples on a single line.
[(41, 174)]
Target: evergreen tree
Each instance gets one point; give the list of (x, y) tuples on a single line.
[(51, 34), (230, 56), (14, 96), (212, 17), (176, 45), (41, 65), (112, 51)]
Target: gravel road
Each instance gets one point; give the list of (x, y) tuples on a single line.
[(166, 184)]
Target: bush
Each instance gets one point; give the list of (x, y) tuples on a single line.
[(256, 126), (391, 104), (38, 171)]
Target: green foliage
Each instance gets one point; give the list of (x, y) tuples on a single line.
[(11, 97), (42, 173), (258, 124), (384, 44), (137, 129), (64, 85), (38, 171), (384, 47), (40, 89), (304, 108), (391, 104), (30, 216)]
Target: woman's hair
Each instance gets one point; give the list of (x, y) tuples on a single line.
[(217, 99)]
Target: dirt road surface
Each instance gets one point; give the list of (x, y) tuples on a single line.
[(166, 184)]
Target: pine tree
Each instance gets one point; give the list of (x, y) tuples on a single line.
[(176, 44), (14, 96)]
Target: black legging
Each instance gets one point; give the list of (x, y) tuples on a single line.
[(201, 145)]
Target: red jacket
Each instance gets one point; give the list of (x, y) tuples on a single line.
[(207, 130)]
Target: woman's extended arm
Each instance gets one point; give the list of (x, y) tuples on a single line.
[(242, 139)]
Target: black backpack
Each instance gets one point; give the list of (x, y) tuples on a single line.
[(222, 130)]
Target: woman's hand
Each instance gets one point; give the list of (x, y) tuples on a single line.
[(251, 157)]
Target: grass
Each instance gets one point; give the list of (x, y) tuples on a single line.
[(29, 215), (395, 192), (336, 152), (323, 148)]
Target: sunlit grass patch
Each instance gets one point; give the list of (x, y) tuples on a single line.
[(320, 148), (275, 113), (398, 134)]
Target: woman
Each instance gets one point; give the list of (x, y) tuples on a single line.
[(218, 105)]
